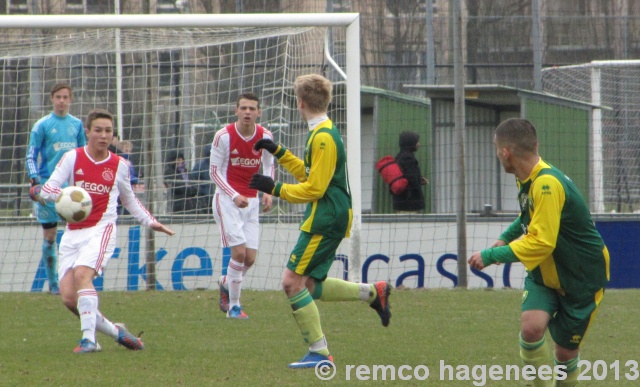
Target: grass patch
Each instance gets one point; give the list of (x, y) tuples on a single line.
[(190, 343)]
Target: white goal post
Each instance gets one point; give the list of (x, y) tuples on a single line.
[(612, 86), (350, 84)]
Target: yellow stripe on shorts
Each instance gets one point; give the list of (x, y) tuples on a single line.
[(309, 252)]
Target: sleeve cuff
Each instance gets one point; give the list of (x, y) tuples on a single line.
[(487, 257), (280, 151), (502, 254), (276, 189)]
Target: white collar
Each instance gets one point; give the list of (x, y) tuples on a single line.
[(314, 122)]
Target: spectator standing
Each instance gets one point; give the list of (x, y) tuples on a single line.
[(124, 149), (411, 200), (200, 176), (177, 180)]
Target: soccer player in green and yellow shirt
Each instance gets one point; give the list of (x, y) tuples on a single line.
[(566, 259), (323, 184)]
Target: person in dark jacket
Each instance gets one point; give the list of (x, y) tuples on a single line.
[(410, 200), (200, 176), (177, 180)]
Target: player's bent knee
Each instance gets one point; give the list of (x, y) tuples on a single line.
[(292, 283), (532, 334), (288, 288)]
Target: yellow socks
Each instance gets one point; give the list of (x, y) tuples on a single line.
[(307, 317), (334, 289), (571, 370), (536, 354)]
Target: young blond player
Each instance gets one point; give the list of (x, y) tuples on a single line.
[(323, 185)]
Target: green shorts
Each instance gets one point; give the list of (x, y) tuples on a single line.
[(313, 255), (570, 319)]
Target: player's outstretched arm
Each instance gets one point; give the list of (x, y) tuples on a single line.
[(266, 144), (157, 226)]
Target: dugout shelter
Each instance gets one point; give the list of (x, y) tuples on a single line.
[(569, 138)]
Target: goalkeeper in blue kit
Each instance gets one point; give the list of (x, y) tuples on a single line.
[(323, 184), (566, 259), (50, 138)]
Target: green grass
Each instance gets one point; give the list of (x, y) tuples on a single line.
[(190, 343)]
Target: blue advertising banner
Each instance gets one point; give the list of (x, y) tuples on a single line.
[(623, 242)]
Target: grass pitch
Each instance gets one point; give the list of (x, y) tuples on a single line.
[(188, 342)]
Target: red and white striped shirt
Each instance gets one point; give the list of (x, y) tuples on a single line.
[(104, 181), (233, 160)]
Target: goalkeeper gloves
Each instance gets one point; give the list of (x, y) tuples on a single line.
[(267, 144), (262, 183), (34, 193)]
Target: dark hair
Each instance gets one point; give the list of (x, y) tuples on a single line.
[(95, 114), (250, 96), (518, 133), (59, 86)]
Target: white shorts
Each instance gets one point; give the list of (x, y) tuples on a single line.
[(91, 247), (237, 225)]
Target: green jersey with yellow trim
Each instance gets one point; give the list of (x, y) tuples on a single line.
[(322, 182), (560, 245)]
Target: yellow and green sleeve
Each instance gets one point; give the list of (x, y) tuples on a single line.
[(323, 165), (513, 232), (539, 242), (291, 163)]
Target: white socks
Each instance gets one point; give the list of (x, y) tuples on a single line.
[(105, 326), (88, 310), (319, 345), (234, 282), (365, 292)]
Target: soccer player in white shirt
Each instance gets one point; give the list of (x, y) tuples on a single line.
[(235, 205), (87, 246)]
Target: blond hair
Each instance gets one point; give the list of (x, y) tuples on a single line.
[(315, 91)]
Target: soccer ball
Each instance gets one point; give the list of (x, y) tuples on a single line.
[(74, 204)]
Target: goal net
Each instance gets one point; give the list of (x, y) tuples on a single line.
[(614, 87), (171, 88)]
